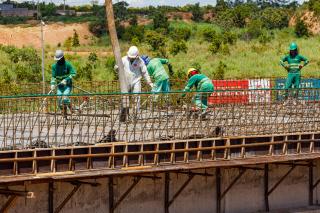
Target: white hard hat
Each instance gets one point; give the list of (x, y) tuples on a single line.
[(133, 52), (59, 54)]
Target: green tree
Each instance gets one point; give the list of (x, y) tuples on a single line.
[(274, 18), (133, 20), (197, 13), (75, 39), (68, 43), (160, 21), (301, 29)]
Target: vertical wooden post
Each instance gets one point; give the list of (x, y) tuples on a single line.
[(266, 187), (166, 192), (218, 189), (111, 26), (111, 195), (50, 197), (311, 183)]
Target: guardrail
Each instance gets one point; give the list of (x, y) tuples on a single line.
[(126, 157), (38, 121)]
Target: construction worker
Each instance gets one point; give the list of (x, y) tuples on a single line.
[(62, 74), (293, 66), (134, 69), (158, 73), (203, 85)]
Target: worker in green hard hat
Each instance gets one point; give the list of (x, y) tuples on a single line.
[(204, 88), (293, 64), (62, 74)]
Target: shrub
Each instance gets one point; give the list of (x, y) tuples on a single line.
[(301, 29), (254, 30), (209, 34), (220, 71), (178, 46), (155, 40), (132, 32), (215, 45), (68, 43), (181, 33), (229, 37), (160, 21), (75, 39), (110, 62)]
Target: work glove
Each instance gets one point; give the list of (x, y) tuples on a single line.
[(151, 85), (300, 67), (64, 82), (52, 87), (287, 68), (116, 68)]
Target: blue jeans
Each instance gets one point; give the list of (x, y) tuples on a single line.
[(63, 92)]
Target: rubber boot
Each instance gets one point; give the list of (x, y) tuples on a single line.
[(124, 114)]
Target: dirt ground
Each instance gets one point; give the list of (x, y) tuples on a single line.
[(310, 19), (53, 34)]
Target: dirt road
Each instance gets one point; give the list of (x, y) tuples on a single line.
[(54, 34)]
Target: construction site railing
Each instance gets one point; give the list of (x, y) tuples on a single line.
[(81, 87), (40, 121)]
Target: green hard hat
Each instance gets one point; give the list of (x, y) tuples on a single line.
[(293, 46)]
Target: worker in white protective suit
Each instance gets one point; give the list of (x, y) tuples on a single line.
[(134, 70)]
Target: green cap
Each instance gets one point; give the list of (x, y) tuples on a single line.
[(293, 46)]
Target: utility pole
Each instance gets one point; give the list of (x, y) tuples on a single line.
[(115, 44), (64, 5), (42, 24)]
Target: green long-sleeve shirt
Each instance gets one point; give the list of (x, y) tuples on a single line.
[(61, 72), (156, 69), (294, 62), (200, 82)]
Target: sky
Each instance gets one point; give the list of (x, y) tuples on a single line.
[(139, 3)]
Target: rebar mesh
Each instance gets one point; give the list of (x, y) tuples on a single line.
[(29, 122)]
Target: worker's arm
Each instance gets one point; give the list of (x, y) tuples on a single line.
[(189, 85), (145, 74), (53, 75), (164, 61), (283, 60), (305, 60), (72, 72)]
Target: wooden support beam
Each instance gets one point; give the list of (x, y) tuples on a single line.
[(184, 185), (218, 189), (111, 195), (311, 188), (125, 194), (17, 193), (50, 197), (195, 173), (69, 196), (266, 187), (8, 204), (282, 179), (242, 171), (166, 191)]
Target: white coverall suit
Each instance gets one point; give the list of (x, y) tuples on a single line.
[(133, 73)]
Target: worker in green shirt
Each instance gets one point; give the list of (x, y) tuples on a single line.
[(204, 87), (158, 73), (292, 63), (62, 74)]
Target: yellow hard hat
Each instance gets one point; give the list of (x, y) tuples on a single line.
[(191, 70)]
